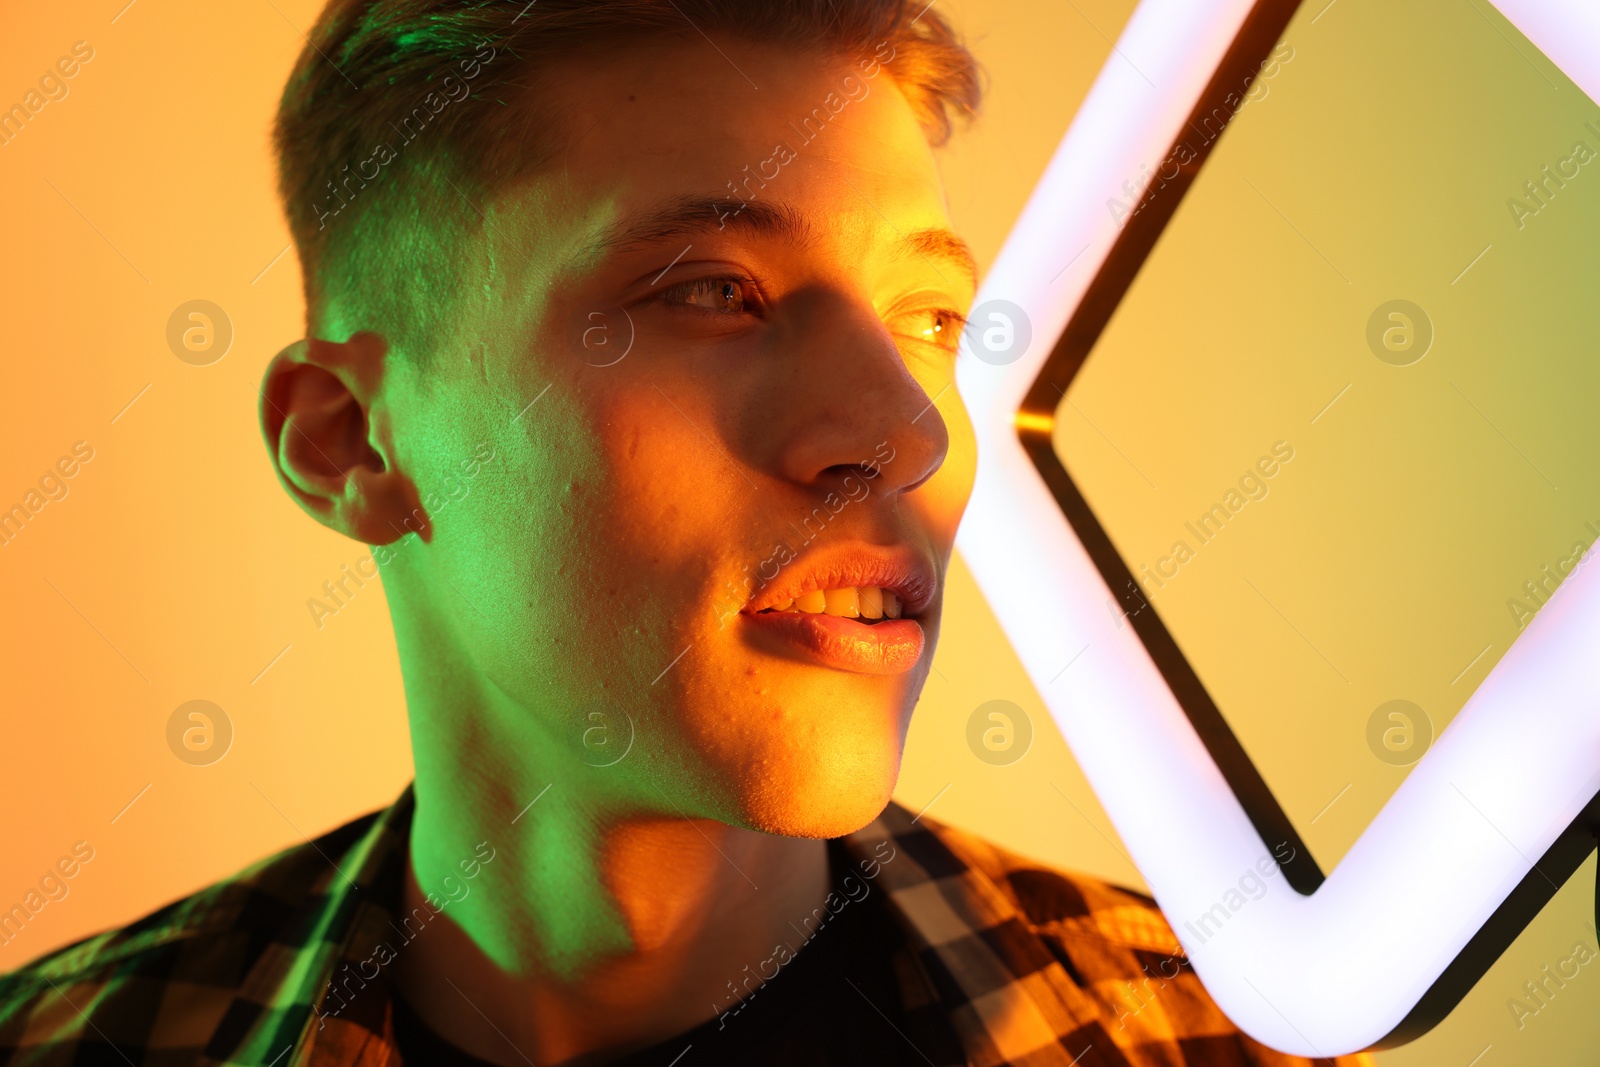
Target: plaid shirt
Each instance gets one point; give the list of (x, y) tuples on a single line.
[(1022, 965)]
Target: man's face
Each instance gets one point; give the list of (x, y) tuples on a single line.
[(715, 413)]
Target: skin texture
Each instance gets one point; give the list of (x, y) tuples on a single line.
[(567, 616)]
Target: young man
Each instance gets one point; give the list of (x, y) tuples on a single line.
[(632, 328)]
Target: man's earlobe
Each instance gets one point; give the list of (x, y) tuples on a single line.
[(327, 436)]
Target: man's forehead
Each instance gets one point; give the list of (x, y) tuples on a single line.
[(662, 147)]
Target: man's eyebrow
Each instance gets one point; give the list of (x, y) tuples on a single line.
[(943, 244), (689, 216)]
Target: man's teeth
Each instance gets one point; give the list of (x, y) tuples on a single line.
[(869, 602)]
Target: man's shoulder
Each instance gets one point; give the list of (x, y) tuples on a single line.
[(1051, 901), (1060, 903), (148, 983), (1099, 956)]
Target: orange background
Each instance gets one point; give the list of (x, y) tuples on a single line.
[(176, 569)]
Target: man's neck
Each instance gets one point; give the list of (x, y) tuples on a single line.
[(565, 936)]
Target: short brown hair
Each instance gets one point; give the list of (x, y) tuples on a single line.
[(461, 77)]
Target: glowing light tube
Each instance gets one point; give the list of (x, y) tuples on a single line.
[(1336, 971)]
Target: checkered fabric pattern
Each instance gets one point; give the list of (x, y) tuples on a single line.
[(1002, 962), (1034, 967)]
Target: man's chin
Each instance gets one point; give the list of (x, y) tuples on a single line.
[(823, 802)]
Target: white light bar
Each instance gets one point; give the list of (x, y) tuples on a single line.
[(1336, 971)]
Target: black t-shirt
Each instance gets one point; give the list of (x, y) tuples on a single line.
[(836, 1001)]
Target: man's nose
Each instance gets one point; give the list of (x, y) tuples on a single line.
[(852, 405)]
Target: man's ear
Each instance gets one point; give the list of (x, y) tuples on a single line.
[(328, 437)]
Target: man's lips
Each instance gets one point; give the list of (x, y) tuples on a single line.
[(898, 569), (850, 605), (888, 646)]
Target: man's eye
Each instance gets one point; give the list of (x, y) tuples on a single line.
[(938, 326), (723, 294)]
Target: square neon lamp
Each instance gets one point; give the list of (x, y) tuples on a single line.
[(1289, 457)]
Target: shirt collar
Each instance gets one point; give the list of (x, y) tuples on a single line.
[(344, 977)]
